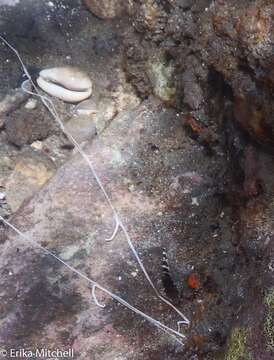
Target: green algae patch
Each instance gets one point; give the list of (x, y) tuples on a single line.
[(269, 320), (237, 345), (160, 74)]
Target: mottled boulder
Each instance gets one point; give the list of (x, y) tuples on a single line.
[(107, 9), (32, 170), (239, 43), (51, 307), (24, 126), (91, 116)]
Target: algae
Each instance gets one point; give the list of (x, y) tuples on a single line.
[(160, 74), (269, 321), (237, 345)]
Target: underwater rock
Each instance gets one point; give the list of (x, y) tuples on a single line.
[(69, 216), (9, 2), (91, 117), (193, 94), (253, 119), (81, 127), (106, 9), (66, 83), (13, 100), (24, 126), (31, 104), (31, 172), (240, 47)]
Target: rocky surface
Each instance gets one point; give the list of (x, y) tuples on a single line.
[(108, 9), (27, 126), (24, 126), (222, 59), (187, 159), (32, 170), (9, 2), (245, 60), (91, 117), (145, 176)]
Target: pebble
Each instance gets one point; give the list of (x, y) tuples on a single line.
[(37, 145), (31, 104), (106, 9)]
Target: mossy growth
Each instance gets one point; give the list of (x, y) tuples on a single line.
[(269, 320), (237, 345), (160, 74)]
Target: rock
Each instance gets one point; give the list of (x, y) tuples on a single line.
[(91, 117), (193, 95), (86, 108), (240, 47), (107, 9), (38, 145), (154, 18), (106, 112), (144, 64), (31, 172), (124, 94), (81, 127), (70, 216), (56, 147), (8, 156), (9, 2), (24, 126), (13, 100), (124, 99), (31, 104)]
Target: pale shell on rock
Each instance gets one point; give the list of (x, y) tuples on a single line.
[(66, 83)]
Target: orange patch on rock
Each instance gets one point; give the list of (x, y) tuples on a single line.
[(193, 281)]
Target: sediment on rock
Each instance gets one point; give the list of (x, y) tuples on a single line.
[(180, 129)]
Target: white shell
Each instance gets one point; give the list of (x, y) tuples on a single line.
[(63, 93), (66, 83)]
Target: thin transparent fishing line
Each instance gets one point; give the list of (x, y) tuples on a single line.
[(175, 334), (118, 223)]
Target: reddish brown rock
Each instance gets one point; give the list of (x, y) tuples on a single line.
[(240, 47)]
